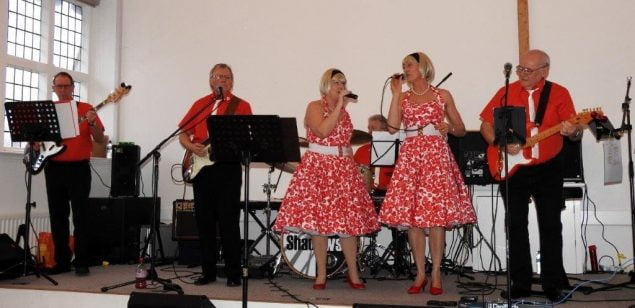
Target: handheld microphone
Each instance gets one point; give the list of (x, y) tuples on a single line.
[(398, 76), (508, 69), (220, 93), (351, 95)]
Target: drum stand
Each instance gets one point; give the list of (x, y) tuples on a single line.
[(266, 231)]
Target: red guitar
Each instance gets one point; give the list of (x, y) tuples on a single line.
[(496, 158)]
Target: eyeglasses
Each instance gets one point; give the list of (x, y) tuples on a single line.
[(63, 86), (522, 69), (219, 77)]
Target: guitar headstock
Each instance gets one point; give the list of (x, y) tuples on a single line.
[(118, 93), (587, 115)]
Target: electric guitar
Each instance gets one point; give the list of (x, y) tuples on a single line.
[(496, 155), (36, 159), (192, 163)]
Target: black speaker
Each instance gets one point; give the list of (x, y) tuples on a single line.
[(383, 306), (115, 226), (469, 153), (11, 256), (158, 300), (184, 220), (572, 160), (124, 180)]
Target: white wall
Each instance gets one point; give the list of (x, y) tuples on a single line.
[(279, 49)]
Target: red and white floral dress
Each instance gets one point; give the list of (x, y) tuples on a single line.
[(427, 188), (326, 195)]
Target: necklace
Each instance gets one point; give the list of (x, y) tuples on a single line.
[(419, 94)]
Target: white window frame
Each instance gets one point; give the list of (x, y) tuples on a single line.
[(45, 68)]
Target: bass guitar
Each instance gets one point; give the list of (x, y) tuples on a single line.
[(36, 159), (496, 155), (192, 163)]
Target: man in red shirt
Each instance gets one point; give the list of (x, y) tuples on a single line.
[(216, 186), (68, 179), (362, 156), (543, 181)]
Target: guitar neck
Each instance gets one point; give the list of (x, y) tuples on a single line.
[(531, 141)]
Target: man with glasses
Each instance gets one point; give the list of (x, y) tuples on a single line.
[(217, 185), (68, 179), (542, 181)]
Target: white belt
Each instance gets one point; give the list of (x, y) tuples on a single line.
[(427, 130), (330, 150)]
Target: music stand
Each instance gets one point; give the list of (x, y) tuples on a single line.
[(509, 128), (247, 139), (32, 122)]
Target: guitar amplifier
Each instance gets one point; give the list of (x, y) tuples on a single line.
[(184, 220), (469, 153)]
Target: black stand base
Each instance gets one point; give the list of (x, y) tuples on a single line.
[(152, 277)]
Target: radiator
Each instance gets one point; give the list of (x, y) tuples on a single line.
[(10, 224)]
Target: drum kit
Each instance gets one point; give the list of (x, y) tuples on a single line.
[(296, 250)]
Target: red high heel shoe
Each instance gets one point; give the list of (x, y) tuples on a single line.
[(355, 286), (414, 289), (435, 290), (319, 286)]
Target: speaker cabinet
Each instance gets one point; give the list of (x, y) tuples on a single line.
[(124, 180), (115, 226), (11, 256), (572, 161), (184, 220), (158, 300), (469, 153)]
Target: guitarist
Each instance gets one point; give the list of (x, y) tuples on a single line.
[(68, 179), (543, 181), (216, 187)]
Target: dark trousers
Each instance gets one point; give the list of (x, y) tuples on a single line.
[(217, 201), (543, 183), (68, 186)]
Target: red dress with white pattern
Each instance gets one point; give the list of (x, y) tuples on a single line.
[(427, 188), (326, 195)]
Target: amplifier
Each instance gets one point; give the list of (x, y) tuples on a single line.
[(184, 220)]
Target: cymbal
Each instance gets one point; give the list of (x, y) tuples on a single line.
[(360, 137)]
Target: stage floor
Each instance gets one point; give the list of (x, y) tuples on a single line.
[(288, 287)]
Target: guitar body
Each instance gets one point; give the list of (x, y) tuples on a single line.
[(192, 164), (496, 162)]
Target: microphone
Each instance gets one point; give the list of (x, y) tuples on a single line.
[(444, 79), (508, 69), (398, 76), (220, 93), (351, 95)]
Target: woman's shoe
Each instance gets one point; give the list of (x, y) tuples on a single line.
[(436, 291), (414, 289), (356, 286), (319, 286)]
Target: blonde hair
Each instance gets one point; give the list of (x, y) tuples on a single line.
[(425, 64), (331, 74)]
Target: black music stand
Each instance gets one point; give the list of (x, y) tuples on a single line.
[(32, 122), (247, 139)]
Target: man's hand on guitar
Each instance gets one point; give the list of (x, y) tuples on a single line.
[(199, 149), (568, 129), (514, 149), (91, 117)]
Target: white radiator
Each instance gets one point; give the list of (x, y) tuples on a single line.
[(10, 224)]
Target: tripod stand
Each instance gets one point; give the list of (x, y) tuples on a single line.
[(266, 232), (32, 122)]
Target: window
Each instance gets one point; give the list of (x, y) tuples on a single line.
[(44, 37)]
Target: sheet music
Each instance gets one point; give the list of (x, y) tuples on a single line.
[(384, 148), (612, 161), (68, 119)]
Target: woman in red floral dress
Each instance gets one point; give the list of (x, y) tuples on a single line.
[(427, 191), (326, 195)]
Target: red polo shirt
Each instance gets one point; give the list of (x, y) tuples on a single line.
[(560, 108), (198, 126)]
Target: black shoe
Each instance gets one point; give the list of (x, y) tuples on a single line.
[(517, 293), (556, 295), (81, 270), (59, 270), (233, 281), (203, 280)]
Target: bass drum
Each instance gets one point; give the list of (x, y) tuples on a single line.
[(297, 251)]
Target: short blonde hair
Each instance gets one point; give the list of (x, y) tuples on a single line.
[(331, 74), (425, 64)]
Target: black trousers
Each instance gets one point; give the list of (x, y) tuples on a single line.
[(217, 201), (68, 186), (543, 183)]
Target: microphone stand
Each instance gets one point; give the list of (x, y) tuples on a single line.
[(505, 142), (155, 154)]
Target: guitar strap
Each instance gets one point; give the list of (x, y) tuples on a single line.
[(233, 104), (542, 103)]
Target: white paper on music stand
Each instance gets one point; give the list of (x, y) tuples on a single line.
[(384, 148), (68, 119), (612, 161)]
